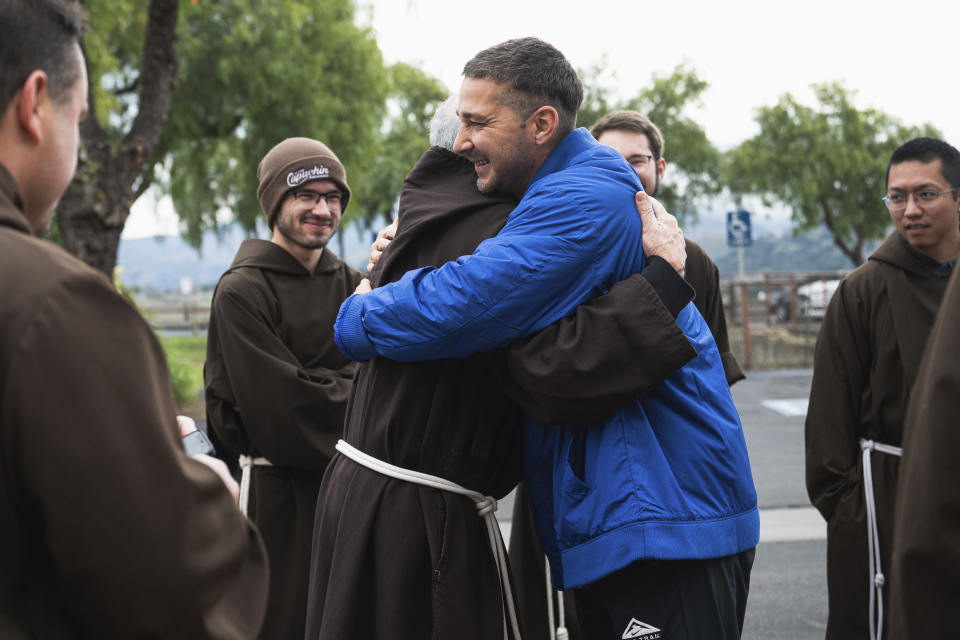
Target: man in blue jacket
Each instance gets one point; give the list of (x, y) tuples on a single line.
[(650, 515)]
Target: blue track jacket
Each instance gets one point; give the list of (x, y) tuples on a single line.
[(666, 478)]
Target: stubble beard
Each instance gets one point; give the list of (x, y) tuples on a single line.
[(285, 228), (512, 174)]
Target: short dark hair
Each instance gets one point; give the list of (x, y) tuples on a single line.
[(535, 73), (927, 150), (631, 121), (39, 35)]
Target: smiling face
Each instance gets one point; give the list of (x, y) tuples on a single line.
[(501, 145), (929, 227), (304, 226)]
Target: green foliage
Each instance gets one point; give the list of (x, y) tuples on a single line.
[(414, 97), (597, 95), (693, 163), (827, 163), (251, 74), (114, 46), (185, 357)]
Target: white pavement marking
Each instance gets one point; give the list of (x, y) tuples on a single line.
[(792, 407), (790, 524)]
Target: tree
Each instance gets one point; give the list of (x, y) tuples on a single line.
[(92, 212), (251, 73), (257, 72), (414, 97), (828, 164), (694, 164)]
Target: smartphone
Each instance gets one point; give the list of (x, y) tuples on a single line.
[(196, 443)]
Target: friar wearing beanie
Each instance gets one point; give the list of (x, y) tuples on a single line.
[(292, 163)]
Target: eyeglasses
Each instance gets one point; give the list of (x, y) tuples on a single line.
[(313, 198), (639, 160), (897, 201)]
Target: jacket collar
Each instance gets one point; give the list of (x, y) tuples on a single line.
[(572, 145), (11, 206)]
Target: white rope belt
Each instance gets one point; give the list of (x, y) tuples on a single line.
[(873, 538), (485, 509), (560, 631), (246, 462)]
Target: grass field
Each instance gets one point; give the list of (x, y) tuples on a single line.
[(185, 357)]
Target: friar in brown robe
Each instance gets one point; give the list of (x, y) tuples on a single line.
[(276, 384), (866, 360), (108, 529), (865, 363), (925, 585)]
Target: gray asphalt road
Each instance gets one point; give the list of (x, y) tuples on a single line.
[(788, 590)]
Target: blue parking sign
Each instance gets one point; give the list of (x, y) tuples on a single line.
[(738, 229)]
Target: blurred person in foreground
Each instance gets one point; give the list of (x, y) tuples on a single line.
[(109, 529), (926, 528)]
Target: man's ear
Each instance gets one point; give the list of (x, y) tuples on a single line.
[(545, 121), (29, 102)]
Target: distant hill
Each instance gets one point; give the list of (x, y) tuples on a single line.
[(811, 251), (160, 262), (774, 247)]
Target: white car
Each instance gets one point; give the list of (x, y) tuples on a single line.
[(812, 298)]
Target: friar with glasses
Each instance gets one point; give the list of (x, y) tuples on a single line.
[(866, 361), (276, 384)]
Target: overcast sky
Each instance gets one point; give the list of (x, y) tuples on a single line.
[(899, 57)]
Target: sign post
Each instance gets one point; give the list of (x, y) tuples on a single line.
[(739, 233)]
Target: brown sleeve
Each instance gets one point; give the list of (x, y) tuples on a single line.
[(591, 364), (926, 539), (260, 398), (832, 430), (704, 277), (145, 541)]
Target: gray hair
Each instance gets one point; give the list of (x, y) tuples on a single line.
[(445, 124)]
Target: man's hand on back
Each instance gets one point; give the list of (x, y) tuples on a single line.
[(383, 239), (662, 235)]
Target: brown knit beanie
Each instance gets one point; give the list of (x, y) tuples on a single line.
[(290, 164)]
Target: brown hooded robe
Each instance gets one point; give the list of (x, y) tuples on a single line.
[(277, 387), (107, 529), (925, 588), (865, 363)]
